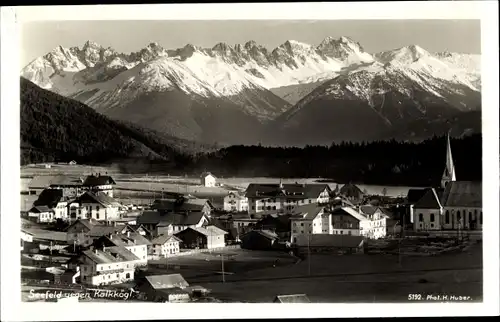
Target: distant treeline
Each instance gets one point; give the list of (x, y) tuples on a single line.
[(383, 162)]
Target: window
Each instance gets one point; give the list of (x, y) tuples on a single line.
[(432, 218), (447, 217), (274, 207), (481, 217), (302, 224), (117, 275), (310, 201), (420, 217), (470, 216), (432, 225), (253, 207), (128, 275), (97, 208), (341, 232)]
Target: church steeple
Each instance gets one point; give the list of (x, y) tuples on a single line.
[(449, 170)]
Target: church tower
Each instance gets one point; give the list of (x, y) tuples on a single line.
[(449, 170)]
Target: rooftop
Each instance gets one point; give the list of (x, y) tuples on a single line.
[(98, 180), (101, 198), (290, 191), (165, 219), (463, 194), (160, 282), (307, 212), (349, 211), (162, 239)]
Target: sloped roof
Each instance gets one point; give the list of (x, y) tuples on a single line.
[(102, 230), (181, 204), (86, 222), (430, 200), (50, 235), (327, 240), (349, 211), (92, 181), (157, 217), (368, 209), (236, 194), (162, 239), (99, 256), (133, 239), (102, 199), (351, 190), (159, 282), (40, 209), (292, 298), (207, 231), (121, 253), (463, 194), (414, 195), (290, 191), (49, 198), (307, 212), (266, 233), (205, 174)]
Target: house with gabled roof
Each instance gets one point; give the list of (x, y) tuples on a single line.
[(284, 197), (41, 214), (54, 199), (170, 288), (165, 246), (131, 241), (83, 232), (159, 223), (259, 240), (183, 205), (202, 237), (380, 221), (110, 265), (348, 221), (99, 184), (310, 219), (352, 193), (235, 202), (208, 179), (100, 207)]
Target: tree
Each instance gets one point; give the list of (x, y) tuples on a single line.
[(384, 192)]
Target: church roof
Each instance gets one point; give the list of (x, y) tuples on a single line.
[(430, 200), (463, 194)]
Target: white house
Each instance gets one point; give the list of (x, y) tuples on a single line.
[(284, 197), (41, 214), (100, 207), (99, 184), (309, 220), (164, 246), (132, 241), (110, 265), (348, 221), (208, 179), (379, 221), (202, 237), (428, 211), (234, 202)]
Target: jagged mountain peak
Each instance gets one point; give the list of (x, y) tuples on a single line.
[(404, 55), (222, 47)]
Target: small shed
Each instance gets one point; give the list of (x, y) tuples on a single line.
[(259, 240), (208, 179)]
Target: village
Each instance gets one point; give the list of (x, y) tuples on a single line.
[(80, 233)]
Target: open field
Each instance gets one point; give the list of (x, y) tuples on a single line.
[(335, 278), (181, 184)]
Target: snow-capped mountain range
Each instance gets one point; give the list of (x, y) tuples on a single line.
[(250, 82)]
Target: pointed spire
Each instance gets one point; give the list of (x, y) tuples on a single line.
[(449, 171)]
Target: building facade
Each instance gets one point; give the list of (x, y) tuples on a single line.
[(309, 220), (111, 265), (165, 246), (234, 202), (208, 179)]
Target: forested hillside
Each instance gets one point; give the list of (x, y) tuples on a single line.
[(56, 128)]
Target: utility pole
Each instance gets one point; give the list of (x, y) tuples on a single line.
[(308, 254), (222, 261)]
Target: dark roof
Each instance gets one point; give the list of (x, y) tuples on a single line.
[(157, 217), (49, 198), (463, 194), (292, 298), (326, 240), (265, 233), (89, 223), (415, 195), (368, 209), (102, 199), (42, 234), (290, 191), (181, 204), (103, 230), (207, 231), (430, 200), (40, 209), (92, 181), (307, 212), (117, 239), (351, 190), (349, 211), (161, 282)]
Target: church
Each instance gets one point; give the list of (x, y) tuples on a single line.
[(455, 205)]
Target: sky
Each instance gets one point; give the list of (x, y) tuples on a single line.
[(39, 38)]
